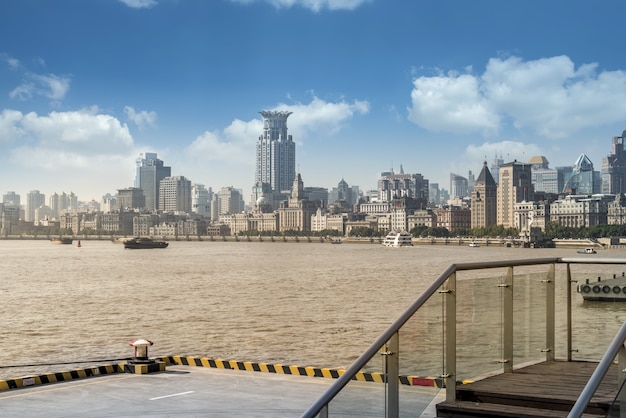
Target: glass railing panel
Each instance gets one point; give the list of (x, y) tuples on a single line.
[(529, 316), (421, 357), (595, 322), (479, 324)]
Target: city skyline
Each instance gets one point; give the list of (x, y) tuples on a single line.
[(86, 87)]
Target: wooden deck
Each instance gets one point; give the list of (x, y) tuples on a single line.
[(547, 389)]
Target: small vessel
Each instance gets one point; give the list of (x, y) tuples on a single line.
[(398, 239), (474, 244), (604, 290), (144, 243), (588, 250), (62, 240)]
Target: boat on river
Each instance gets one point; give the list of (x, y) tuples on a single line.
[(144, 243), (474, 244), (606, 290), (398, 239), (588, 250), (62, 240)]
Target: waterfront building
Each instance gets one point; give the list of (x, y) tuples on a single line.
[(423, 217), (142, 224), (108, 203), (262, 219), (117, 222), (43, 212), (295, 214), (230, 201), (9, 219), (515, 186), (453, 218), (375, 208), (617, 210), (322, 220), (484, 200), (275, 153), (459, 186), (175, 194), (614, 168), (130, 198), (148, 175), (581, 211), (584, 180), (343, 192), (34, 199)]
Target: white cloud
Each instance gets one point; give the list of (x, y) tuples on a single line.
[(508, 150), (51, 86), (142, 118), (549, 97), (140, 4), (314, 5)]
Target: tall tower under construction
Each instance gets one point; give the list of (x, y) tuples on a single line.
[(275, 153)]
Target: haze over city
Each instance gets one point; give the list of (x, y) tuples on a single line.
[(86, 87)]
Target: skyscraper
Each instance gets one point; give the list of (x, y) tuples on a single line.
[(150, 172), (175, 194), (275, 153), (34, 199), (614, 168), (515, 186)]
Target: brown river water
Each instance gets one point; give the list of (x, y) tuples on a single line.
[(306, 304)]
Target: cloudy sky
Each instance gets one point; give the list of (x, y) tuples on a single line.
[(86, 87)]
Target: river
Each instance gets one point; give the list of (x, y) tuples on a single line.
[(307, 304)]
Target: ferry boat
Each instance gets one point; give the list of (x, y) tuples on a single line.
[(398, 239), (474, 244), (587, 250), (143, 243)]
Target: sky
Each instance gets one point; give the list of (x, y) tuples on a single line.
[(434, 87)]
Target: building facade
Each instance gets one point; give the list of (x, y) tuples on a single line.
[(175, 194), (34, 199), (614, 168)]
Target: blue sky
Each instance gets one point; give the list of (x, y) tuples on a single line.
[(86, 86)]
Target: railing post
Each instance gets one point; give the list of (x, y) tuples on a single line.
[(450, 348), (507, 317), (569, 313), (550, 314), (392, 372)]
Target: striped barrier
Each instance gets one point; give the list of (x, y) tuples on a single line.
[(65, 376), (296, 370), (122, 367)]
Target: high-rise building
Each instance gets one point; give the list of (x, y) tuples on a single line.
[(229, 201), (395, 186), (544, 178), (458, 186), (275, 153), (201, 200), (584, 180), (495, 168), (130, 198), (149, 173), (175, 194), (34, 199), (484, 200), (11, 199), (515, 186), (614, 168)]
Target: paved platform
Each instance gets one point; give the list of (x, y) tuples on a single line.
[(204, 392)]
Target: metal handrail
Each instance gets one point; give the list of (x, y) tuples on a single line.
[(322, 402)]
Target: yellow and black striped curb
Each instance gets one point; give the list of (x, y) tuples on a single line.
[(65, 376), (296, 370), (121, 367)]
